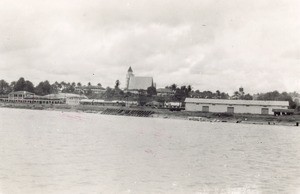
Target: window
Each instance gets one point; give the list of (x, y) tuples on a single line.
[(230, 109), (264, 111), (205, 108)]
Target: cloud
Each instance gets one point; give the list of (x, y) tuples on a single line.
[(210, 44)]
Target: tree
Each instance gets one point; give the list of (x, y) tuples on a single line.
[(4, 87), (117, 84), (109, 93), (189, 90), (173, 87), (275, 95), (69, 89), (43, 88), (29, 86), (89, 92), (142, 99), (218, 94), (20, 85), (89, 84), (99, 85), (54, 88), (224, 96), (78, 84), (248, 97), (151, 91), (12, 85)]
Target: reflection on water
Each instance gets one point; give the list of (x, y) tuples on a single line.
[(64, 152)]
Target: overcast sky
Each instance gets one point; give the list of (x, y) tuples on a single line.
[(210, 44)]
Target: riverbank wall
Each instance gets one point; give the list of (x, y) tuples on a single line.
[(290, 120)]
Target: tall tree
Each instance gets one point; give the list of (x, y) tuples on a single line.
[(117, 84), (12, 85), (20, 85), (4, 87), (29, 86), (173, 87), (248, 97), (43, 88), (151, 91)]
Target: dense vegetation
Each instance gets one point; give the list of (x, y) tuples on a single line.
[(179, 93)]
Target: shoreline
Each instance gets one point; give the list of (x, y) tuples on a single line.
[(283, 120)]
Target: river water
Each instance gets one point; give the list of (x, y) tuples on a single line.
[(44, 152)]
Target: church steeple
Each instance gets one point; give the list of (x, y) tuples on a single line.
[(130, 70), (128, 76)]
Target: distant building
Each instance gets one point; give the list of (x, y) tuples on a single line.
[(30, 98), (234, 106), (20, 95), (86, 89), (68, 98), (135, 83), (164, 92)]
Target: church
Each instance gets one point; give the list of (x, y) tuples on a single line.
[(135, 83)]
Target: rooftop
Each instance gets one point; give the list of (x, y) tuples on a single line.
[(164, 90), (64, 95), (21, 92), (140, 83), (237, 102)]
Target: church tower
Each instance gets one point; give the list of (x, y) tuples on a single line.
[(128, 75)]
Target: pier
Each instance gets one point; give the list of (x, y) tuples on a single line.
[(126, 112)]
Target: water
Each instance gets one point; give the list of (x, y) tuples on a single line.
[(64, 152)]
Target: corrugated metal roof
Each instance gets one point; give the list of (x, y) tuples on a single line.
[(140, 83), (237, 102)]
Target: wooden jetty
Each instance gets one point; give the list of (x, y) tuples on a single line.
[(127, 112)]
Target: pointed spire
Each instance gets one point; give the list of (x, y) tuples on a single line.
[(130, 70)]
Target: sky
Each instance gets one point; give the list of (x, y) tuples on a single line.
[(208, 44)]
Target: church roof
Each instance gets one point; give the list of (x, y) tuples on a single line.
[(130, 70), (140, 83)]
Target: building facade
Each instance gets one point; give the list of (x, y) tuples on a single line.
[(30, 98), (234, 106), (135, 83), (20, 95), (93, 89), (165, 92), (68, 98)]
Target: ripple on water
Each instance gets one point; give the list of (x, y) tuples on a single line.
[(92, 153)]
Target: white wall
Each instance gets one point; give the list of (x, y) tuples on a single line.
[(72, 101), (221, 108)]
